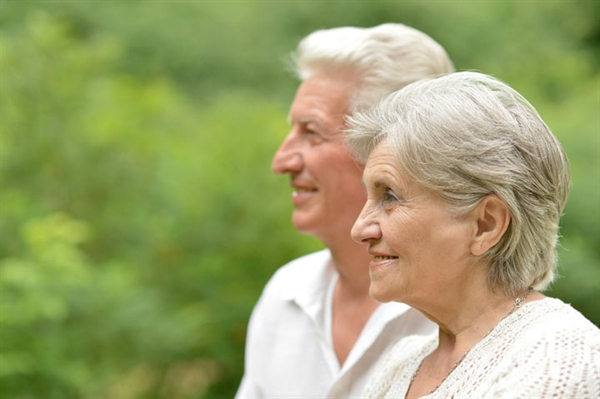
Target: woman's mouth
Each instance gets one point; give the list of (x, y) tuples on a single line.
[(381, 258)]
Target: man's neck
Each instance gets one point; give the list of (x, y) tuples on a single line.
[(351, 261), (352, 304)]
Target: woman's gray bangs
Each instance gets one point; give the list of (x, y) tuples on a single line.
[(363, 134)]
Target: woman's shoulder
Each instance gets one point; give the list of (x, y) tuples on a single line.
[(549, 349), (553, 315), (558, 328)]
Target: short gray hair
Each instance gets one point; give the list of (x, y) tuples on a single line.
[(467, 135), (383, 58)]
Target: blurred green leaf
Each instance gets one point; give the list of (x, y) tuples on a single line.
[(139, 218)]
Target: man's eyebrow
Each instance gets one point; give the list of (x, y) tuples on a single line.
[(304, 120)]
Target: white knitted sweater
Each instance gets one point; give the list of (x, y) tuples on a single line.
[(546, 349)]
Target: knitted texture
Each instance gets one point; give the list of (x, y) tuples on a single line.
[(546, 349)]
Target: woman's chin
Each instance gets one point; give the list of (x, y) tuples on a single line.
[(379, 295)]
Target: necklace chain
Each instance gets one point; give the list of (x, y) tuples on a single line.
[(518, 302)]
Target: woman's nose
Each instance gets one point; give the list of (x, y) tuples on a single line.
[(288, 158), (366, 228)]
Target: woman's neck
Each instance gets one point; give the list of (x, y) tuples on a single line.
[(456, 339)]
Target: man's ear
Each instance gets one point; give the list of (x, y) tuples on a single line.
[(492, 218)]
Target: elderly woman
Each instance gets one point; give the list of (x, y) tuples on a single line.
[(466, 185)]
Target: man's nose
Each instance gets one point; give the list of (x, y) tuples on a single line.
[(288, 158)]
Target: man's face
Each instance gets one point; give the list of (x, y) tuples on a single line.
[(328, 194)]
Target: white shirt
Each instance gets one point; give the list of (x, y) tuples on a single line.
[(546, 349), (289, 349)]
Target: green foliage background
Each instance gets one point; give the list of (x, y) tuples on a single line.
[(139, 216)]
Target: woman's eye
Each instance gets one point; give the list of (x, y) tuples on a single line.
[(388, 196)]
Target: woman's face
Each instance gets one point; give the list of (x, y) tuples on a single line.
[(419, 249)]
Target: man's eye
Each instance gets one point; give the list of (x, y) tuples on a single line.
[(313, 137)]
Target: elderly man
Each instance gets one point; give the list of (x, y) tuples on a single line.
[(316, 332)]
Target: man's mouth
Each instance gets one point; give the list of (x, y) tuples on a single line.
[(299, 190)]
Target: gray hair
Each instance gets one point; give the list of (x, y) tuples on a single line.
[(467, 135), (383, 59)]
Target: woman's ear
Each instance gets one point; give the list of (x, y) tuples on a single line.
[(492, 217)]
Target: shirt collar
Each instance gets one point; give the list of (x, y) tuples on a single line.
[(308, 289)]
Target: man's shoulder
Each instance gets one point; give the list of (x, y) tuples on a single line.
[(299, 270), (296, 279)]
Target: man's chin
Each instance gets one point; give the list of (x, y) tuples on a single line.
[(305, 224)]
